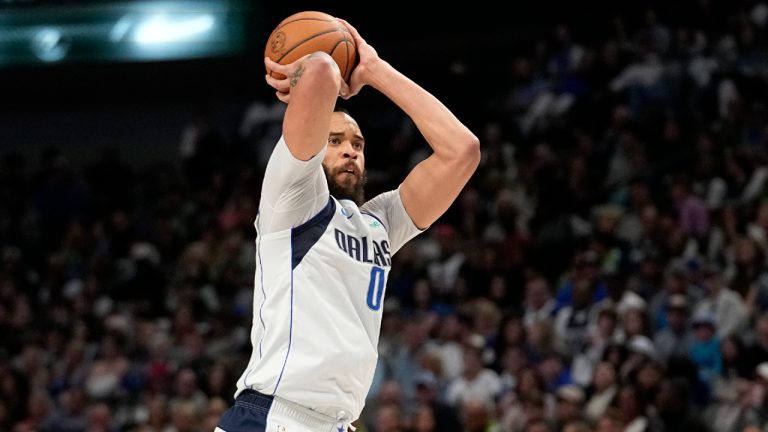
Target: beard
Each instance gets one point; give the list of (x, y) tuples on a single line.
[(341, 191)]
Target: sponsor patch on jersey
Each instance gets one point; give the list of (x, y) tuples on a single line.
[(374, 224)]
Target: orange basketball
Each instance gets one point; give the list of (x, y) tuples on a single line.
[(306, 32)]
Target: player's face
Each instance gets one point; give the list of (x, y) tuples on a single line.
[(344, 160)]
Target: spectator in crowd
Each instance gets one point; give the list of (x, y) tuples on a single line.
[(603, 390), (615, 241), (539, 302), (705, 350), (675, 339), (727, 307), (476, 382)]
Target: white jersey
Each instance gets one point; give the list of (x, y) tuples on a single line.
[(321, 272)]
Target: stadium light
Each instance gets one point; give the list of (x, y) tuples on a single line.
[(162, 29), (49, 44)]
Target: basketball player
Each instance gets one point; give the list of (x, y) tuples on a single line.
[(323, 254)]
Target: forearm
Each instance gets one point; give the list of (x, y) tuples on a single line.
[(314, 89), (447, 136), (431, 186)]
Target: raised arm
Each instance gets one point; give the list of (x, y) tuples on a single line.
[(432, 186), (295, 187), (310, 89)]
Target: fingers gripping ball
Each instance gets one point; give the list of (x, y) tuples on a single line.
[(306, 32)]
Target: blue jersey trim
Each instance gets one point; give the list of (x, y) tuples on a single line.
[(290, 326), (304, 236), (264, 293)]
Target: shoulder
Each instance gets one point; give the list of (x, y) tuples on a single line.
[(381, 201)]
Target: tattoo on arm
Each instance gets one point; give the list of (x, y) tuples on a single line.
[(296, 75)]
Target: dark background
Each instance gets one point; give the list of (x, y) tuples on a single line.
[(139, 107)]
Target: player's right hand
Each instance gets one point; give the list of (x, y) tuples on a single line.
[(283, 86)]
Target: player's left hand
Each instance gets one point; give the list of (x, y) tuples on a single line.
[(367, 56)]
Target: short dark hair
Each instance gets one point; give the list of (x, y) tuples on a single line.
[(340, 108)]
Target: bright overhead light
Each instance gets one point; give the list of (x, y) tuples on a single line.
[(161, 29), (121, 28), (50, 45)]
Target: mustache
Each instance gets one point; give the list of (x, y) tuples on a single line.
[(349, 166)]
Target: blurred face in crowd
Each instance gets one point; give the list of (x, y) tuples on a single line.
[(422, 293), (344, 161), (450, 328), (475, 416), (649, 376), (389, 392), (606, 323), (388, 418), (514, 332), (746, 252), (528, 383), (634, 322), (675, 283), (649, 218), (551, 368), (589, 271), (730, 349), (537, 293), (711, 283), (605, 376), (677, 317), (762, 329), (473, 363), (514, 359), (576, 426), (567, 410), (762, 215), (627, 402), (539, 333), (608, 424), (424, 420), (186, 383), (582, 294), (679, 192), (537, 426)]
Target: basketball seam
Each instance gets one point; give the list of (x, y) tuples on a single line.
[(301, 19), (305, 41), (346, 63)]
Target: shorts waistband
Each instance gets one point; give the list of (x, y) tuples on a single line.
[(254, 399), (278, 405)]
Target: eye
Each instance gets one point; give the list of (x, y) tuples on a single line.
[(358, 145), (334, 141)]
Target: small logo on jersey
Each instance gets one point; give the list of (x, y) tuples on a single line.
[(346, 213), (374, 224), (281, 428)]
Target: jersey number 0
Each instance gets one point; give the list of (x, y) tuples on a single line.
[(376, 288)]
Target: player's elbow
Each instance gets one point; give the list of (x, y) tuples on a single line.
[(322, 73), (471, 151)]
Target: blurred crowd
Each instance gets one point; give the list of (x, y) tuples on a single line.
[(605, 270)]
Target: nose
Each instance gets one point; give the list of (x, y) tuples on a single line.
[(349, 151)]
